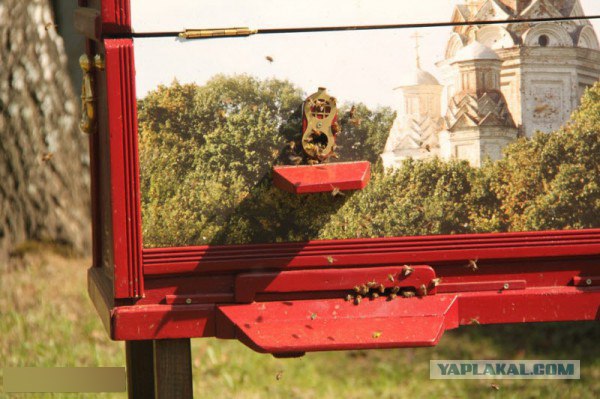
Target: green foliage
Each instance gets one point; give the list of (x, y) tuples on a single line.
[(206, 153)]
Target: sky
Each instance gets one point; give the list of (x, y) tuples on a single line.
[(354, 66)]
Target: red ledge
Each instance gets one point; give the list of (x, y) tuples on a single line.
[(342, 176)]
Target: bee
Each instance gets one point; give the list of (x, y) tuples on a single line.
[(364, 290), (495, 387), (291, 145), (357, 299), (336, 191), (381, 288), (313, 316), (356, 289), (392, 296), (269, 58), (312, 162), (473, 265), (423, 290), (296, 160), (377, 334), (349, 298), (436, 281), (279, 375), (372, 284), (47, 156), (374, 295), (408, 294), (330, 259), (407, 270), (474, 321), (427, 148), (390, 277), (395, 289), (50, 25)]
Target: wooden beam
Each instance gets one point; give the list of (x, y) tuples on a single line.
[(140, 369), (173, 369)]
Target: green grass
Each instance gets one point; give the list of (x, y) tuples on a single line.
[(46, 319)]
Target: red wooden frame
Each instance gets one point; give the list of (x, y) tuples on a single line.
[(204, 291)]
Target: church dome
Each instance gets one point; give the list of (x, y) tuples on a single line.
[(475, 51), (419, 77)]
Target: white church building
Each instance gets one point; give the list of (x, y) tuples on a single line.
[(499, 82)]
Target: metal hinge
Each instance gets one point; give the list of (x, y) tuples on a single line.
[(206, 33)]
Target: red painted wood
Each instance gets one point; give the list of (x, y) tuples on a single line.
[(307, 179), (302, 326), (372, 252), (482, 286), (248, 285), (530, 305), (116, 17), (124, 168), (162, 322)]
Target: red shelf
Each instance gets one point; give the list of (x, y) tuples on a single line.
[(343, 176)]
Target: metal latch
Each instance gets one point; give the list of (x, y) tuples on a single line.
[(206, 33), (88, 92)]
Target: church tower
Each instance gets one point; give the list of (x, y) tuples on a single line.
[(478, 123), (546, 66), (415, 130)]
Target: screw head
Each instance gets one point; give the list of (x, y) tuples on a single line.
[(588, 281), (506, 286), (188, 300)]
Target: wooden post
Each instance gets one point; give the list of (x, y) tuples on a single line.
[(173, 369), (159, 369), (140, 369)]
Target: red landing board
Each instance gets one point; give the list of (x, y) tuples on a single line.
[(343, 176), (300, 326)]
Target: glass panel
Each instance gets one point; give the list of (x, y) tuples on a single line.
[(447, 117)]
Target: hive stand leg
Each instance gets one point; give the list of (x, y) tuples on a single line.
[(140, 369), (173, 369)]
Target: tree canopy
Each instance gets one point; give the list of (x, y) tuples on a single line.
[(206, 154)]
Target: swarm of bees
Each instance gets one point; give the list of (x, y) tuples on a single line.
[(373, 290)]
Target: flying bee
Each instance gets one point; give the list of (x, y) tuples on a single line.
[(279, 375), (269, 58), (330, 259), (377, 334), (336, 191), (436, 281), (395, 289), (407, 270), (423, 290), (427, 148), (357, 299), (47, 156), (390, 277), (313, 316), (296, 160), (495, 387), (473, 265)]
